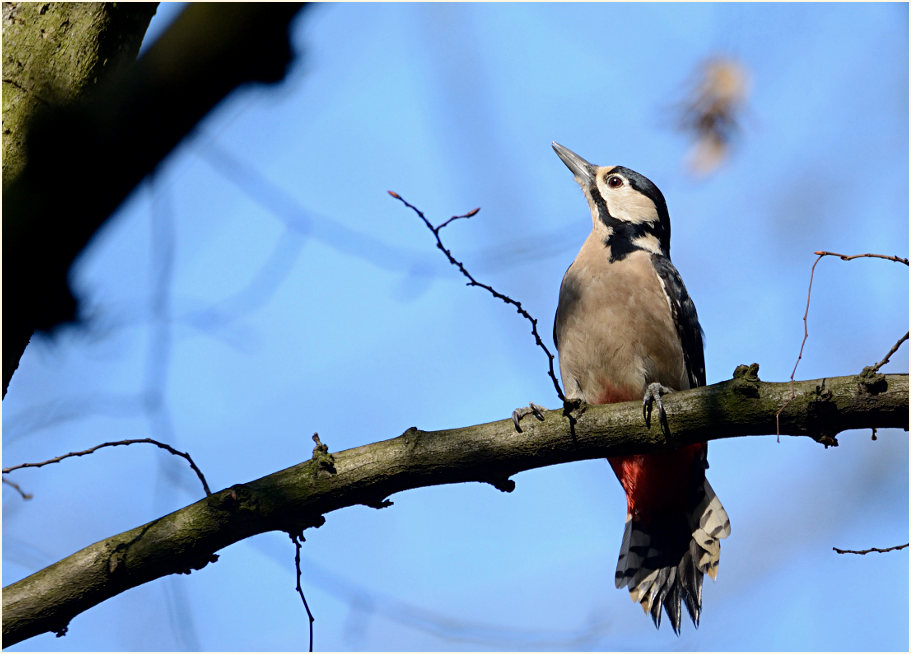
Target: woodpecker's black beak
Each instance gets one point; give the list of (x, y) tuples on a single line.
[(583, 171)]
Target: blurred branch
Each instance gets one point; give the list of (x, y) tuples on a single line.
[(285, 206), (489, 635), (84, 158), (129, 441), (18, 489), (297, 497), (54, 53)]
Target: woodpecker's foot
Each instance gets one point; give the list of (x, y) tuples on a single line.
[(653, 395), (574, 407), (532, 409)]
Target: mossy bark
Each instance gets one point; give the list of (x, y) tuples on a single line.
[(88, 150), (53, 52)]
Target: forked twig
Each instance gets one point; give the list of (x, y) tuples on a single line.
[(844, 257), (473, 282), (129, 441)]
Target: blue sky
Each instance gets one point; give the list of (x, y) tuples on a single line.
[(263, 286)]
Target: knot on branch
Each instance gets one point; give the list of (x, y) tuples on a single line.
[(746, 380), (826, 440), (409, 433), (323, 461), (295, 525), (870, 381), (572, 411), (574, 408), (236, 498), (378, 504), (199, 563), (503, 484), (822, 415)]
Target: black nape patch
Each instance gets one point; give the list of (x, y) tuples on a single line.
[(623, 233)]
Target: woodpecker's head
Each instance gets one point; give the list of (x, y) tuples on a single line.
[(628, 210)]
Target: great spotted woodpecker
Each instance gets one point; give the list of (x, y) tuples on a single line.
[(626, 328)]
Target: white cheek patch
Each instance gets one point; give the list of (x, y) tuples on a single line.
[(627, 204)]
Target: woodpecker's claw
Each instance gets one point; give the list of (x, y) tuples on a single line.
[(532, 409), (653, 394)]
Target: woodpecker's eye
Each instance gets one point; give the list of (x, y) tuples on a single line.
[(614, 181)]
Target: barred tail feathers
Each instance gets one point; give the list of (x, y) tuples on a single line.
[(663, 562)]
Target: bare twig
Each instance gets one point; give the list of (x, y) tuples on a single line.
[(843, 257), (25, 496), (300, 591), (467, 215), (473, 282), (802, 344), (129, 441), (872, 549), (848, 257), (806, 312), (891, 352)]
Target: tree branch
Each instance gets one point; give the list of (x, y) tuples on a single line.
[(93, 153), (297, 497)]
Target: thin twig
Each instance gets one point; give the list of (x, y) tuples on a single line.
[(129, 441), (872, 549), (891, 352), (806, 312), (843, 257), (802, 343), (848, 257), (473, 282), (467, 215), (25, 496), (300, 591)]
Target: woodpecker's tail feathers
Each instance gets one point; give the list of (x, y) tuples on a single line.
[(663, 562)]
